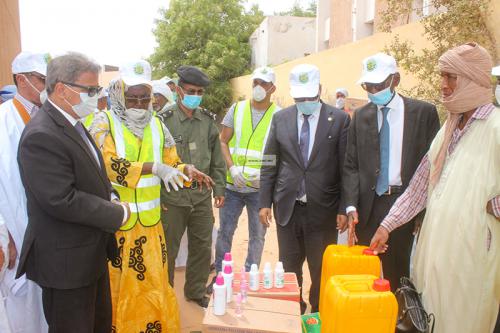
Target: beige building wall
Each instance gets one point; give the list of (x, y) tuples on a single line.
[(340, 67), (340, 22), (10, 38)]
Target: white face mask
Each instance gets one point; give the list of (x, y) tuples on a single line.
[(497, 93), (86, 106), (43, 96), (137, 114), (340, 103), (258, 93), (35, 89)]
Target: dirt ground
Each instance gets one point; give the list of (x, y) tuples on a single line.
[(191, 314)]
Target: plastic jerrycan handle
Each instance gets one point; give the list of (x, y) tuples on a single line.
[(357, 286)]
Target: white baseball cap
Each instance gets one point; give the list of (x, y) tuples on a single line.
[(265, 74), (160, 87), (304, 81), (136, 72), (495, 71), (377, 68), (27, 62)]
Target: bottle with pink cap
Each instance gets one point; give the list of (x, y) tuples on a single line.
[(220, 297), (228, 276), (227, 261)]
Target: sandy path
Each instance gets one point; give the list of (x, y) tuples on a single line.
[(191, 314)]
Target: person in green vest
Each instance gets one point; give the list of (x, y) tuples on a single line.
[(243, 138), (197, 140), (139, 154), (102, 105)]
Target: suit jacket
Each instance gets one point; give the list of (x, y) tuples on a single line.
[(280, 183), (71, 219), (362, 163)]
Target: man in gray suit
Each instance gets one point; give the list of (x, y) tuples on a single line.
[(387, 139), (305, 150)]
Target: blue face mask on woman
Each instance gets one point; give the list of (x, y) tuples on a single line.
[(383, 97), (308, 107), (191, 101)]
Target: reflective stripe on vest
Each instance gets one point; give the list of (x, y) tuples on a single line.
[(247, 144), (88, 120), (144, 200)]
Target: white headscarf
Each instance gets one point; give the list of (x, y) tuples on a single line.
[(160, 87), (135, 122)]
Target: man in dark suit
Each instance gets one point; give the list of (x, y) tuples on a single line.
[(72, 217), (387, 139), (302, 177)]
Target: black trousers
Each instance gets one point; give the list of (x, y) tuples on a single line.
[(396, 261), (296, 243), (82, 310)]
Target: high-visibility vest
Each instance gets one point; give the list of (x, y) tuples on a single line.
[(247, 144), (144, 200)]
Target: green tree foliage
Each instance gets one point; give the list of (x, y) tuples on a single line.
[(457, 22), (297, 10), (210, 34)]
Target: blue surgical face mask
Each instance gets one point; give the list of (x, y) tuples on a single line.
[(191, 101), (308, 107), (383, 97)]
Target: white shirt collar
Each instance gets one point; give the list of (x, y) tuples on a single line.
[(395, 104), (70, 118)]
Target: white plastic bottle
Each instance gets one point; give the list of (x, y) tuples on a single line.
[(268, 276), (254, 278), (227, 261), (279, 275), (243, 285), (220, 297), (228, 280)]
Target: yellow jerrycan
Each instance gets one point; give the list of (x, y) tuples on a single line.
[(347, 260), (358, 304)]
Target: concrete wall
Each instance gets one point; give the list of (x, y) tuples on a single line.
[(340, 67), (10, 38), (282, 38), (323, 25)]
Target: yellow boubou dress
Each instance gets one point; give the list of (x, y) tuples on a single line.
[(142, 298)]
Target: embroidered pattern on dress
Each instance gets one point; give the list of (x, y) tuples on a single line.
[(117, 262), (120, 166), (163, 251), (136, 260), (153, 328)]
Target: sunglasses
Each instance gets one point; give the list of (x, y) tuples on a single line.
[(376, 86), (91, 90), (138, 100)]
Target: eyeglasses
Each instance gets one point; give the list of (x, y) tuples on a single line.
[(38, 76), (191, 91), (91, 90), (376, 86), (138, 100)]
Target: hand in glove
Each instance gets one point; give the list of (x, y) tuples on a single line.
[(170, 176), (238, 179)]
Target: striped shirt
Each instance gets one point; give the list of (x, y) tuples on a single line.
[(31, 108), (414, 199)]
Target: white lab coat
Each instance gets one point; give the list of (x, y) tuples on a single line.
[(23, 298)]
